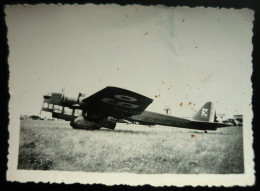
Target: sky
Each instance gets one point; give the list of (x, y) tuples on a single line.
[(176, 56)]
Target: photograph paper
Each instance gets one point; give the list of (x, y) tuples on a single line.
[(133, 95)]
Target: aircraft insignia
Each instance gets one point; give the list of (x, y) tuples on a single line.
[(204, 112)]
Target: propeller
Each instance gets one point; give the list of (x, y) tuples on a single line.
[(62, 94)]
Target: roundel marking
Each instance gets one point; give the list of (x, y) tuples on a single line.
[(128, 105), (121, 103), (110, 101), (125, 98)]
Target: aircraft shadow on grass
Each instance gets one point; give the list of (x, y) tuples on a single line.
[(211, 132), (129, 131), (155, 132)]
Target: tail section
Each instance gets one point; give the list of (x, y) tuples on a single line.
[(206, 113)]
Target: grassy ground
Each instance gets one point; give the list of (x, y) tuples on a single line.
[(52, 145)]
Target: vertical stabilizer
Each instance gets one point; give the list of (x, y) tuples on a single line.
[(206, 113)]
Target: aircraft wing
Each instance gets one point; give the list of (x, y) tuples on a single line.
[(117, 102)]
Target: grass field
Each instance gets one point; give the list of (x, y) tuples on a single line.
[(53, 145)]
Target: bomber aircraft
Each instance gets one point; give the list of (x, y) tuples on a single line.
[(112, 104)]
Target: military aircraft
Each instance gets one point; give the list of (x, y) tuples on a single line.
[(112, 104)]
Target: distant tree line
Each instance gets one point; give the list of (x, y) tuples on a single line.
[(35, 117)]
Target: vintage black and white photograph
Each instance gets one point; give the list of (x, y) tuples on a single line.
[(130, 95)]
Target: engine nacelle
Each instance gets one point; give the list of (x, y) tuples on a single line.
[(81, 123), (68, 101)]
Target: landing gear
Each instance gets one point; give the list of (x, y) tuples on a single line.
[(72, 124), (206, 131), (111, 126)]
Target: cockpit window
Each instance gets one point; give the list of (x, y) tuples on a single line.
[(77, 112), (45, 105), (57, 109), (67, 111)]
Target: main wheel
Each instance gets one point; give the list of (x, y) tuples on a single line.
[(112, 126), (72, 124)]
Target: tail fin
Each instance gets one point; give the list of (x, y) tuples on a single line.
[(206, 113)]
